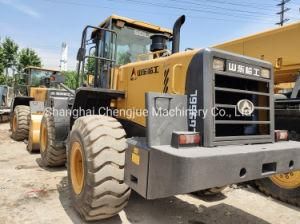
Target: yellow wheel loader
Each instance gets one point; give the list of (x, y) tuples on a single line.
[(163, 122), (28, 104), (280, 47)]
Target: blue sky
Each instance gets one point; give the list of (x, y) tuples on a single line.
[(44, 24)]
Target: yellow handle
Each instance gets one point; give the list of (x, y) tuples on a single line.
[(173, 90)]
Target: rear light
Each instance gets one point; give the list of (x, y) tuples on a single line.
[(281, 135), (185, 139), (189, 139)]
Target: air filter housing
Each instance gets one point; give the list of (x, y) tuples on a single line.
[(159, 42)]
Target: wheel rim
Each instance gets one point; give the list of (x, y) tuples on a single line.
[(44, 137), (14, 124), (289, 180), (77, 168)]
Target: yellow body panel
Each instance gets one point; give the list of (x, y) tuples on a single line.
[(34, 132), (38, 93), (279, 46), (162, 75)]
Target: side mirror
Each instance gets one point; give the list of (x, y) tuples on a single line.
[(81, 54)]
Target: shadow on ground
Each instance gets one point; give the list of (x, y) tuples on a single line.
[(209, 198), (4, 119), (167, 211), (40, 163)]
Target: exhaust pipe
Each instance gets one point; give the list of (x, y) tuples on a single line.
[(176, 33)]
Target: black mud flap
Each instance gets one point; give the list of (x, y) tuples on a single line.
[(90, 101)]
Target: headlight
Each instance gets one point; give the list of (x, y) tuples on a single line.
[(218, 64), (266, 73)]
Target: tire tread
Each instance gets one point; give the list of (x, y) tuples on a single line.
[(267, 187), (104, 142), (23, 115), (53, 156)]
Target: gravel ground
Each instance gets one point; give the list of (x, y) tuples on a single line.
[(31, 193)]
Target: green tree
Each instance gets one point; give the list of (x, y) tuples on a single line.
[(2, 77), (1, 60), (70, 79), (90, 65), (28, 57), (10, 54)]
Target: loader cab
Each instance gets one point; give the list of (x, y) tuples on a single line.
[(116, 42), (36, 77), (35, 81), (134, 39)]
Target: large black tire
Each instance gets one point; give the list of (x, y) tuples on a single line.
[(19, 123), (53, 154), (96, 180), (268, 187)]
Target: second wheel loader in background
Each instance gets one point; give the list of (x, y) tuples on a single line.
[(37, 87), (281, 47), (147, 134)]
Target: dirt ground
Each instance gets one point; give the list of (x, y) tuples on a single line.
[(31, 193)]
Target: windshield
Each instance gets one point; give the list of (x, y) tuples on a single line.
[(38, 75), (131, 43)]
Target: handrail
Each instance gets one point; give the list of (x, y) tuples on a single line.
[(111, 58)]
